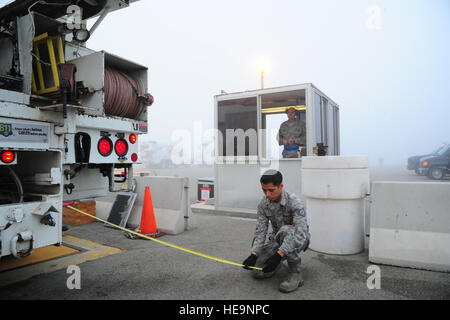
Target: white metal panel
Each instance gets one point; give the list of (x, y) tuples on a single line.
[(107, 123), (25, 37), (249, 93), (13, 96), (90, 70), (323, 94), (95, 156), (260, 150), (310, 123), (43, 235), (89, 183), (20, 111), (73, 51)]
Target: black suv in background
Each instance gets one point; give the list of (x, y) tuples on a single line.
[(436, 166), (414, 162)]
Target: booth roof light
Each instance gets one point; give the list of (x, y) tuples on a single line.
[(271, 101), (282, 109)]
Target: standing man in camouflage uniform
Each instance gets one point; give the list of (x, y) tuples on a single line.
[(292, 135), (287, 215)]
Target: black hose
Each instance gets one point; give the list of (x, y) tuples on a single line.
[(18, 184)]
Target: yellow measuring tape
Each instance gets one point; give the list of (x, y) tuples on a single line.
[(207, 256)]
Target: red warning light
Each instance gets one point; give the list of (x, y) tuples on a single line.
[(105, 146), (121, 147), (8, 156), (133, 138)]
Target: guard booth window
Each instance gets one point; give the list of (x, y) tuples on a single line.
[(320, 116), (273, 114), (332, 129), (237, 125), (317, 118)]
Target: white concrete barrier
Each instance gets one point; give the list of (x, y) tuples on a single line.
[(410, 225), (335, 188), (171, 204), (247, 193)]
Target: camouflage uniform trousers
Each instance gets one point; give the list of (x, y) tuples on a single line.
[(272, 246)]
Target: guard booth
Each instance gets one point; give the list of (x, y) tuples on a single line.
[(246, 144)]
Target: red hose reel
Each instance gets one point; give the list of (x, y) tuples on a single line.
[(124, 96)]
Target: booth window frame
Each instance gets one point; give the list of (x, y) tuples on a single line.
[(310, 90)]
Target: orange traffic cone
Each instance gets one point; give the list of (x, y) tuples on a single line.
[(148, 223)]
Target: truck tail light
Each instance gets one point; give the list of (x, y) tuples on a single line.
[(121, 147), (105, 146), (133, 138), (134, 157), (8, 156)]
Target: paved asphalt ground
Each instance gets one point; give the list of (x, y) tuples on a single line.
[(148, 270)]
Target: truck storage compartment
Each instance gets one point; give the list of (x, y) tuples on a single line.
[(118, 86), (36, 175), (102, 84), (30, 202)]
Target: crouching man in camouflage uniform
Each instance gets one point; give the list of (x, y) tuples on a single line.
[(287, 215)]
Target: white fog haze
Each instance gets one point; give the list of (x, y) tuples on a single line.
[(384, 62), (222, 158)]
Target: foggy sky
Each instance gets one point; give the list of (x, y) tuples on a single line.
[(389, 73)]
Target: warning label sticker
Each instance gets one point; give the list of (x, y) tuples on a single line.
[(23, 132)]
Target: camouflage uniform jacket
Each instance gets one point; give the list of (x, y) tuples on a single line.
[(288, 211), (295, 130)]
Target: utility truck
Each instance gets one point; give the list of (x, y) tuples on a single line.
[(69, 117)]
